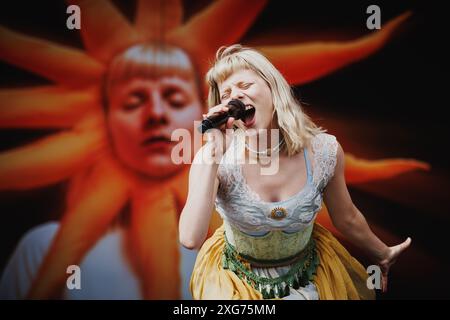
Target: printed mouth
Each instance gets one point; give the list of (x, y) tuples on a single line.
[(155, 139), (249, 115)]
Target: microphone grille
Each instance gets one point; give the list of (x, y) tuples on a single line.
[(237, 103)]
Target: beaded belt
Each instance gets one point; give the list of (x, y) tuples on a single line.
[(303, 267)]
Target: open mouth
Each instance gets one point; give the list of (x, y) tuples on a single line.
[(249, 115)]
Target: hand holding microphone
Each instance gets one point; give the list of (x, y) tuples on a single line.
[(220, 115)]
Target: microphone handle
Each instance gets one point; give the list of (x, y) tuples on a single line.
[(214, 121), (219, 119)]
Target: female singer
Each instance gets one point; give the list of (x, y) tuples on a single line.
[(269, 245)]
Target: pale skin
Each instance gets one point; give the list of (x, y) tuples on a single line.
[(203, 181)]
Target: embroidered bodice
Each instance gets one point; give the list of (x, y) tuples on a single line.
[(249, 220)]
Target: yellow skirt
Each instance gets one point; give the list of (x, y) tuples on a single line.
[(339, 275)]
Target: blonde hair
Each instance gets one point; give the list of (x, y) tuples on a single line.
[(296, 128)]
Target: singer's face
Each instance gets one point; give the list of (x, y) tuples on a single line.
[(253, 91), (142, 115)]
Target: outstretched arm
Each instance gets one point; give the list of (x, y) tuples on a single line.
[(351, 223)]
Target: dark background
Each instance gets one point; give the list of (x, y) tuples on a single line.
[(389, 105)]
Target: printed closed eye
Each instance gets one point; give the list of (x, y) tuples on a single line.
[(134, 100), (175, 97)]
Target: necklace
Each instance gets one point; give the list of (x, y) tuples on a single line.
[(275, 149)]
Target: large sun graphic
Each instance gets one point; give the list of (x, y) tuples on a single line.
[(80, 152)]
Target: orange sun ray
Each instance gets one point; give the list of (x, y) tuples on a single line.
[(156, 18), (49, 160), (210, 34), (76, 185), (45, 107), (302, 63), (58, 63), (105, 31), (103, 194), (156, 253), (179, 186), (361, 170)]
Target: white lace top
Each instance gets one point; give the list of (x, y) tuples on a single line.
[(243, 209)]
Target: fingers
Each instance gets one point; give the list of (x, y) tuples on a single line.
[(403, 246), (384, 278), (219, 108), (384, 283), (230, 123), (396, 251), (407, 243)]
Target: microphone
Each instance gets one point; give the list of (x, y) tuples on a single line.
[(236, 109)]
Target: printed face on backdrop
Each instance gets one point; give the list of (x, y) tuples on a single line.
[(150, 93)]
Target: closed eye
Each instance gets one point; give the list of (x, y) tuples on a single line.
[(225, 96), (244, 85), (134, 100), (240, 85), (176, 98)]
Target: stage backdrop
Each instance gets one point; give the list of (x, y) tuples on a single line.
[(78, 186)]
